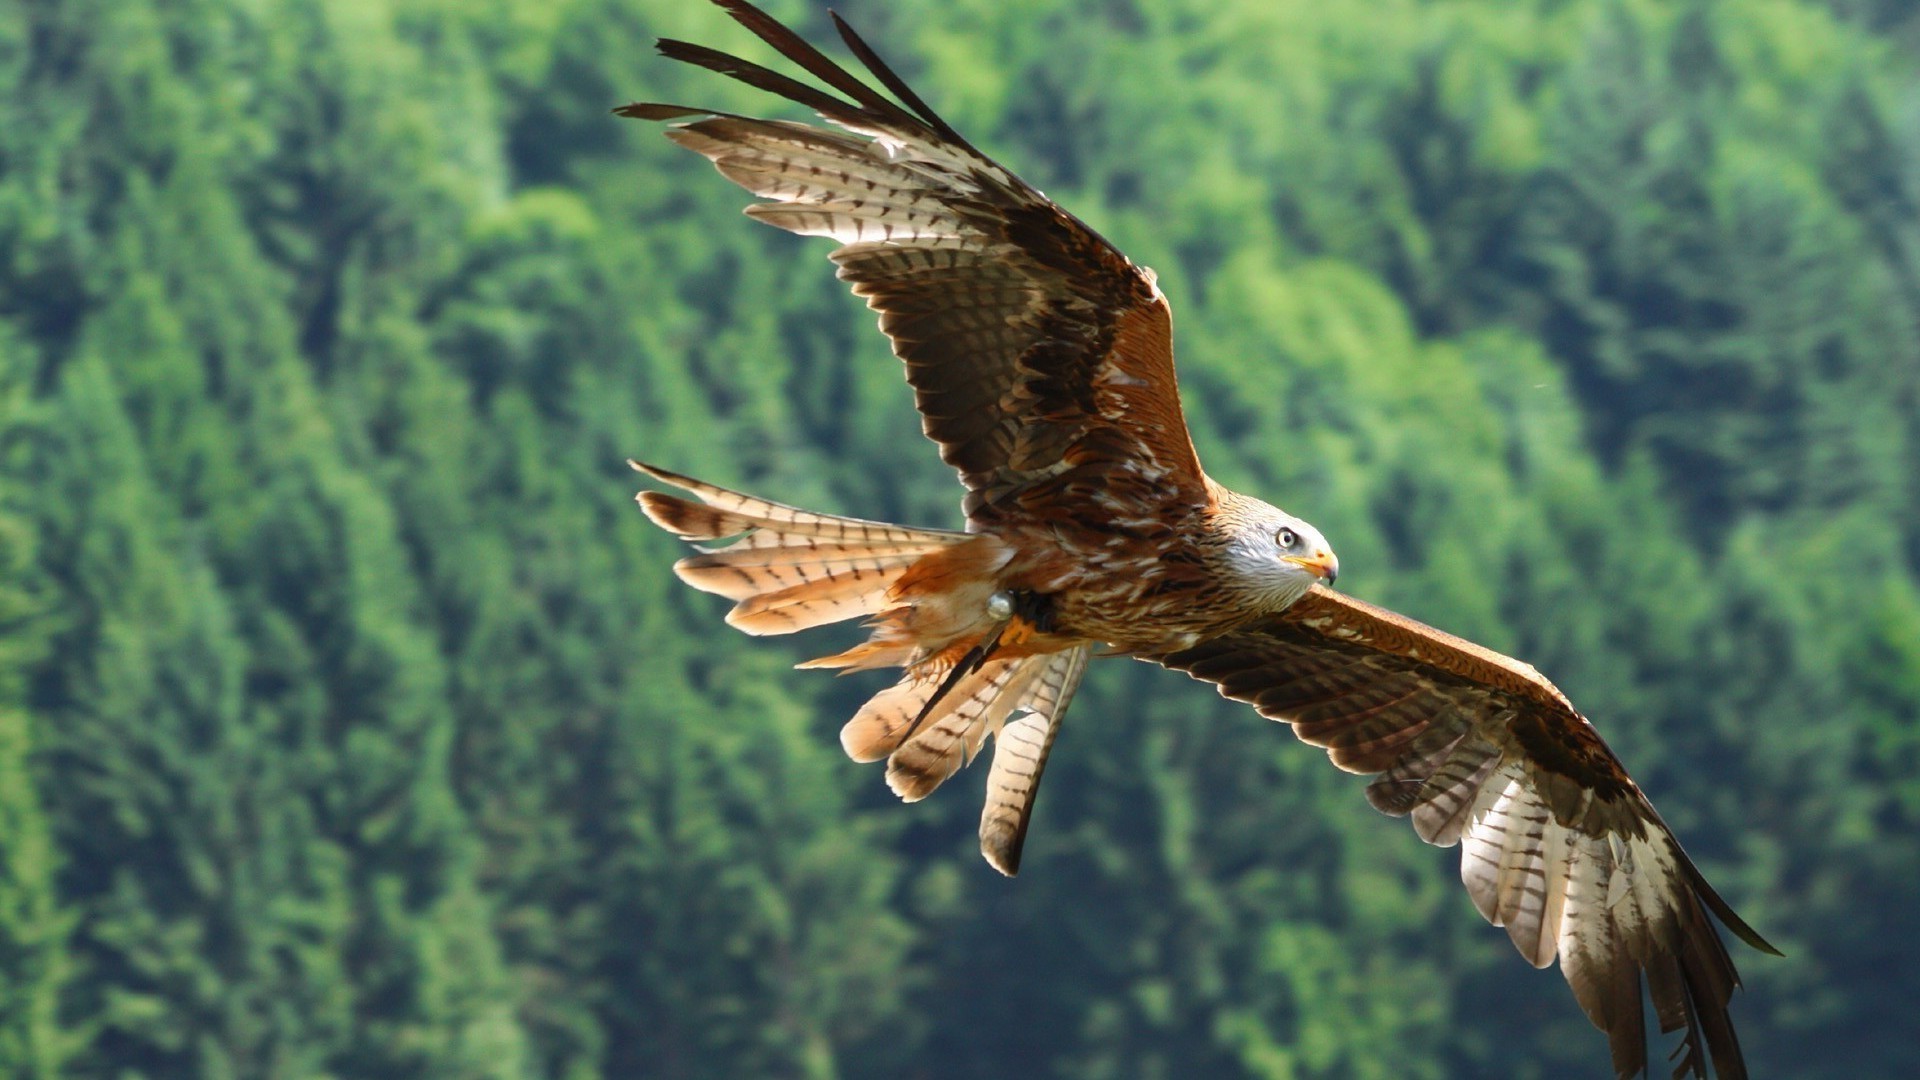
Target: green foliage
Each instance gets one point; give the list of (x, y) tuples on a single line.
[(35, 965), (352, 725)]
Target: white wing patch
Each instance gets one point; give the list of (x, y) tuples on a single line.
[(1550, 885)]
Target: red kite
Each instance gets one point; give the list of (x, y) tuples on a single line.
[(1041, 362)]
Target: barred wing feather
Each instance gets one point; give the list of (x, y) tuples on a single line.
[(1038, 354), (1557, 844)]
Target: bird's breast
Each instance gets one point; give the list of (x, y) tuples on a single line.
[(1140, 596)]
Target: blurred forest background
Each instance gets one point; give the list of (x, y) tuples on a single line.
[(352, 725)]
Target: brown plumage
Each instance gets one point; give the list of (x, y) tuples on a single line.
[(1041, 361), (1557, 843)]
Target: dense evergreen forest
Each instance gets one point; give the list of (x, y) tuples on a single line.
[(352, 725)]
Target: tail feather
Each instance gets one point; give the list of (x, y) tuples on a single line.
[(882, 723), (730, 513), (826, 598), (691, 520), (787, 569), (847, 556), (1020, 756), (949, 736), (868, 655), (747, 576)]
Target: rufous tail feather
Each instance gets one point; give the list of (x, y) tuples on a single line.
[(1018, 701), (1020, 756), (787, 569)]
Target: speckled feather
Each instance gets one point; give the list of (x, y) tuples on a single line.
[(1557, 843), (1035, 349), (1041, 361)]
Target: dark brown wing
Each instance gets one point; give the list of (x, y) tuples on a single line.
[(1033, 347), (1558, 844)]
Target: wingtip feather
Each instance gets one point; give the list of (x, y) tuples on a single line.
[(1724, 911)]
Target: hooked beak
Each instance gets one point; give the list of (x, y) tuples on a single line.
[(1321, 563)]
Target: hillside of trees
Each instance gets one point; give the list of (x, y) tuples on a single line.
[(352, 724)]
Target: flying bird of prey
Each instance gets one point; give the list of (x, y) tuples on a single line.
[(1041, 362)]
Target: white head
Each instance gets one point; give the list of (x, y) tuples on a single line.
[(1274, 556)]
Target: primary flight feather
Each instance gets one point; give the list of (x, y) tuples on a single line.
[(1041, 362)]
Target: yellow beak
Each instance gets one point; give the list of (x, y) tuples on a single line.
[(1321, 563)]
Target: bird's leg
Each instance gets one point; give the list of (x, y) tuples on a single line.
[(1035, 609)]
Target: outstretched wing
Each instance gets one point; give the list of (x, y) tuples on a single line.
[(1557, 843), (1038, 354)]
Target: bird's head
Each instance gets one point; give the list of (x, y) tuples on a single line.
[(1276, 556)]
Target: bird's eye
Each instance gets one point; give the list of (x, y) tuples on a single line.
[(1287, 538)]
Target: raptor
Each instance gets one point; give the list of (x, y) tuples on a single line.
[(1041, 361)]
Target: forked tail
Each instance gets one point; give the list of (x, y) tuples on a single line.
[(788, 569)]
